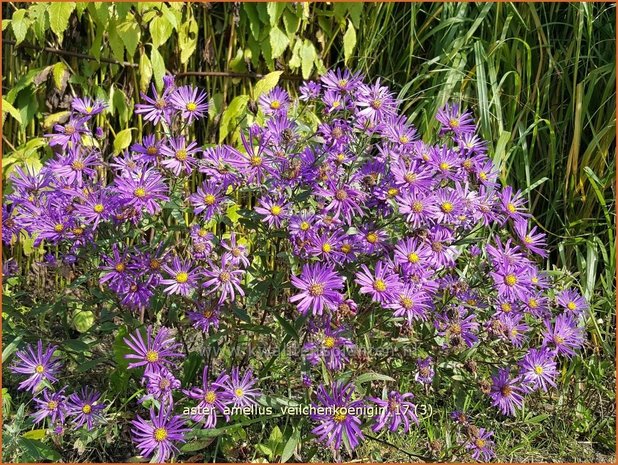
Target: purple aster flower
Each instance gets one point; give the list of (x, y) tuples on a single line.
[(156, 108), (191, 102), (511, 281), (452, 119), (117, 268), (179, 155), (208, 200), (86, 408), (571, 301), (513, 328), (395, 411), (211, 398), (410, 303), (149, 150), (224, 278), (450, 206), (70, 134), (382, 285), (538, 369), (154, 353), (441, 253), (339, 419), (86, 106), (52, 405), (513, 205), (98, 205), (565, 336), (236, 252), (275, 101), (420, 209), (328, 346), (506, 393), (375, 102), (458, 325), (309, 90), (240, 391), (425, 371), (481, 445), (343, 200), (206, 317), (160, 384), (326, 246), (221, 163), (319, 285), (273, 210), (412, 176), (446, 163), (341, 80), (77, 164), (159, 435), (182, 278), (411, 254), (40, 365), (531, 241), (143, 192)]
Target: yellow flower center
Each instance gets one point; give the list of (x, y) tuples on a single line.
[(340, 416), (467, 164), (406, 302), (404, 139), (275, 210), (181, 155), (417, 206), (120, 267), (191, 106), (275, 104), (239, 392), (341, 194), (152, 356), (89, 109), (140, 192), (316, 290), (533, 303), (392, 192), (182, 277), (480, 443), (160, 434), (329, 342), (155, 264), (304, 226), (342, 83), (224, 276), (444, 166), (376, 104), (558, 339), (336, 104), (202, 232), (39, 369), (372, 238), (510, 280), (209, 199), (511, 208), (346, 248), (152, 150), (236, 252), (52, 405), (454, 123), (256, 161), (446, 207), (210, 397), (207, 313), (483, 176), (538, 370), (98, 208), (507, 391), (69, 130), (379, 285), (77, 165), (160, 103), (410, 177), (413, 257), (86, 409), (571, 306), (59, 227), (506, 307), (326, 248)]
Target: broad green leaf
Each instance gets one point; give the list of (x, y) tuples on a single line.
[(115, 41), (34, 434), (158, 67), (275, 10), (122, 140), (55, 118), (59, 14), (349, 42), (295, 62), (266, 84), (145, 72), (290, 446), (187, 38), (232, 113), (160, 30), (130, 34), (291, 20), (20, 24), (278, 41), (232, 213), (11, 110), (83, 320), (37, 451), (61, 75), (307, 58), (366, 377), (355, 10)]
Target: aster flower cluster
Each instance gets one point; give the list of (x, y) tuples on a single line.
[(53, 405), (380, 232)]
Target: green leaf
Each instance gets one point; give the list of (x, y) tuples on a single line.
[(349, 42), (291, 20), (59, 14), (307, 58), (130, 34), (36, 451), (366, 377), (20, 24), (196, 445), (266, 84), (158, 67), (290, 446), (11, 110), (232, 113), (115, 41), (61, 75), (275, 10), (122, 140), (34, 434), (145, 72), (232, 213), (83, 320), (278, 42), (160, 30), (120, 348), (187, 38), (56, 118)]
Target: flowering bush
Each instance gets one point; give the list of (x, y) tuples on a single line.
[(335, 260)]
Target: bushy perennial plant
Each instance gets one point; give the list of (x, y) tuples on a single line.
[(414, 230)]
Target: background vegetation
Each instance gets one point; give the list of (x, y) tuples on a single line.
[(539, 76)]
